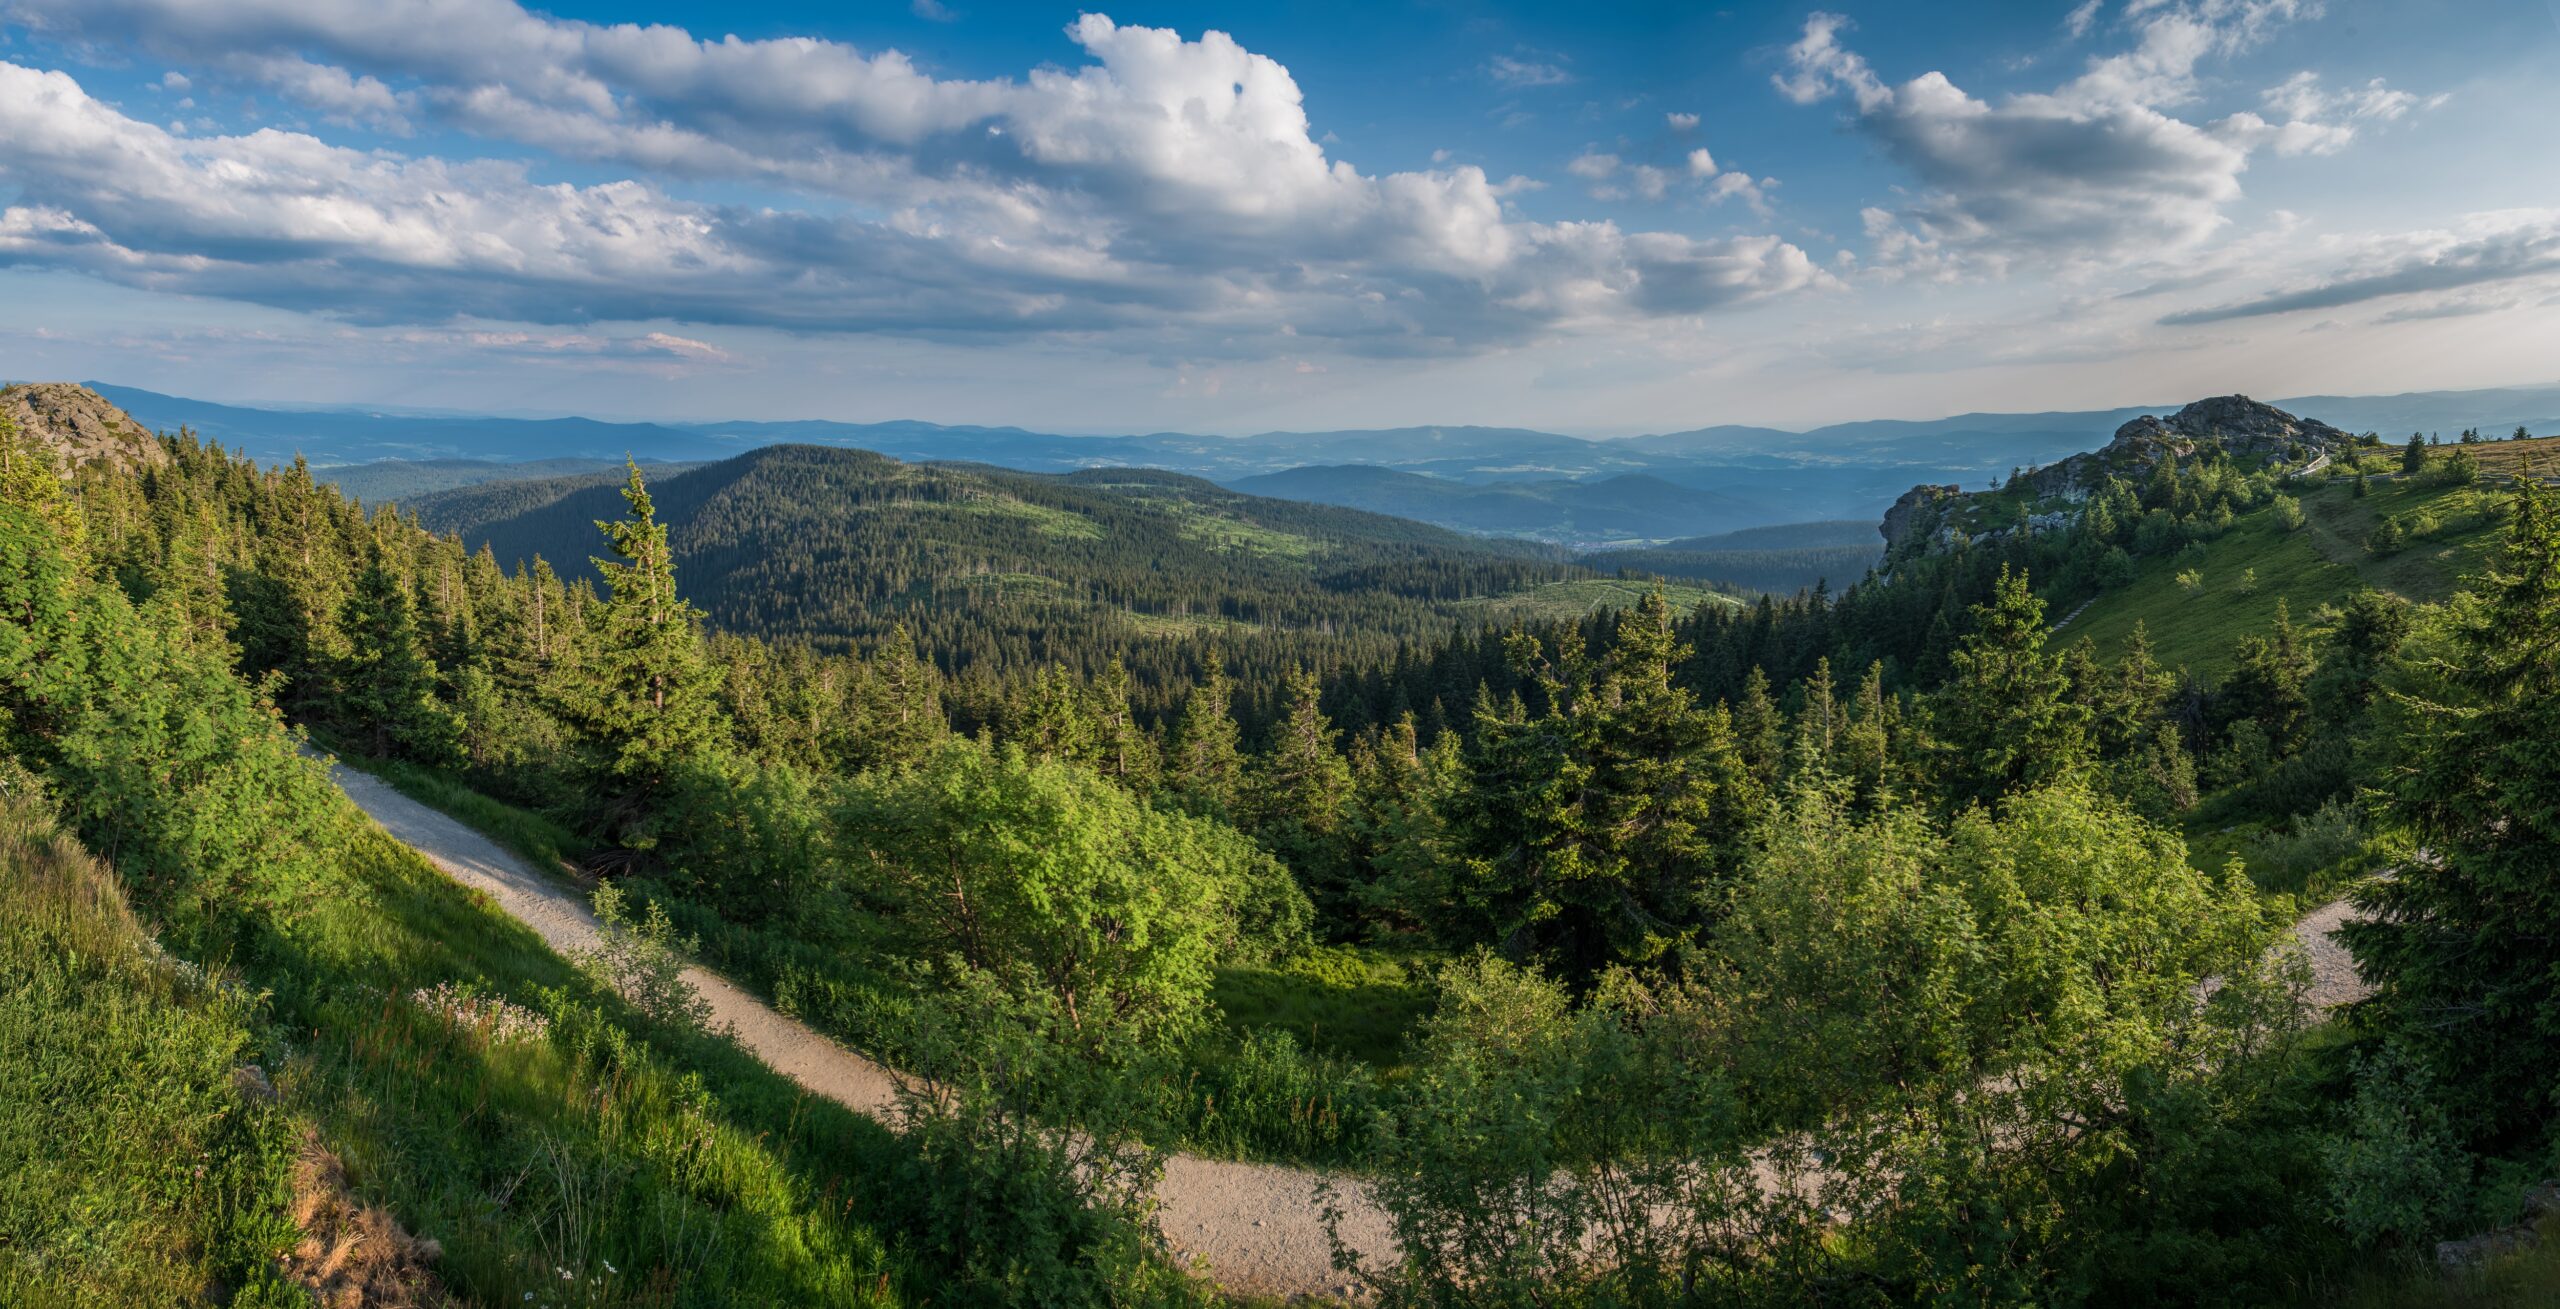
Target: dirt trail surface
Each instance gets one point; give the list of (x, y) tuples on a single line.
[(2333, 971), (1251, 1228)]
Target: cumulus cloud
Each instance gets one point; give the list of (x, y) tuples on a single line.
[(2510, 246), (2098, 170), (2317, 121), (1169, 185), (1680, 122)]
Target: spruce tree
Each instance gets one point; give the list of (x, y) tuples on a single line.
[(1205, 769), (2005, 717), (2460, 942), (387, 682), (1301, 795), (644, 702), (2413, 457)]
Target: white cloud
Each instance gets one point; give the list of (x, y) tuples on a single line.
[(2080, 20), (2098, 171), (932, 11), (2419, 269), (1167, 186), (1701, 163), (173, 80), (1525, 72), (2317, 121), (1592, 166), (1679, 122)]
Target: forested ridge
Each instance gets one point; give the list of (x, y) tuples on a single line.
[(997, 573), (1570, 938)]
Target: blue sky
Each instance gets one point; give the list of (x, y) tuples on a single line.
[(1589, 218)]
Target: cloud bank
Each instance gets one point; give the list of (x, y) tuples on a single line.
[(1168, 186)]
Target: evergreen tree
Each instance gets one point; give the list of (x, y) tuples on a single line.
[(644, 703), (2413, 457), (2270, 686), (1206, 767), (2005, 716), (387, 682), (1301, 794), (1602, 830), (2460, 943), (1758, 728)]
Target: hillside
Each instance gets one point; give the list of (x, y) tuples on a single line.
[(1004, 570), (408, 479), (1782, 560), (1629, 506), (78, 427), (2239, 577)]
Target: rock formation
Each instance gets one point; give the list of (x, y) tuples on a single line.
[(79, 426)]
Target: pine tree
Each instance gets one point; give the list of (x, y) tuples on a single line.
[(2460, 943), (387, 682), (1301, 793), (2413, 457), (1601, 830), (645, 701), (1206, 767), (1866, 743), (1758, 728), (1820, 723), (1122, 750), (2005, 716)]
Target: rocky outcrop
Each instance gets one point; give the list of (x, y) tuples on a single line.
[(1919, 509), (79, 426), (2236, 424)]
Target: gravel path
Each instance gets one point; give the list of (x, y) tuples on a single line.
[(1250, 1228), (2333, 970)]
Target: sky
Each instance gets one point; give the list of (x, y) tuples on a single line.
[(1596, 218)]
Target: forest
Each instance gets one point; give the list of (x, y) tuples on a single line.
[(1872, 944)]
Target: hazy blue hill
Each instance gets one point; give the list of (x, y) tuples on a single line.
[(406, 479), (342, 436), (1786, 536)]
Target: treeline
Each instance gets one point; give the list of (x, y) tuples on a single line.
[(1875, 890), (992, 572)]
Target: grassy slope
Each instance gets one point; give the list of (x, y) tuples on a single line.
[(652, 1166), (2322, 563), (131, 1173), (836, 968)]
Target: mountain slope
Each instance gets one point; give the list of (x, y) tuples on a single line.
[(1013, 570), (1627, 506)]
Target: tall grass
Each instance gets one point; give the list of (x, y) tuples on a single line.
[(131, 1171)]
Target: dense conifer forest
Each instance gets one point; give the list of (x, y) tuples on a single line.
[(1879, 944)]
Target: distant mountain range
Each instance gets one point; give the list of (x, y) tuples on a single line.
[(1565, 490)]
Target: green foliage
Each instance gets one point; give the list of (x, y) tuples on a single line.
[(1593, 833), (643, 700), (1051, 880), (132, 1171), (642, 959), (387, 683), (2458, 943), (1033, 1213), (2396, 1171), (2004, 718)]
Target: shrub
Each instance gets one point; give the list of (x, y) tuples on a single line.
[(1030, 1174), (644, 959), (1047, 876), (2396, 1171), (2288, 513)]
